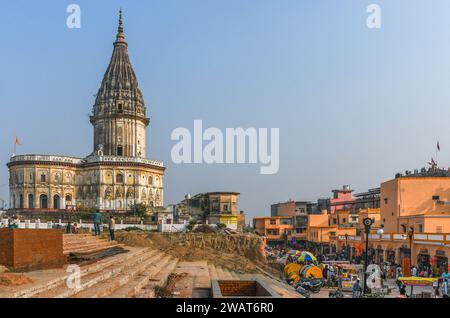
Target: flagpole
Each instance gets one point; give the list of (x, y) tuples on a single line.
[(436, 157)]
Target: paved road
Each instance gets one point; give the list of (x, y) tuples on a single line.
[(391, 283)]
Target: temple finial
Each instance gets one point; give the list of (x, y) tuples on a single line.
[(120, 36)]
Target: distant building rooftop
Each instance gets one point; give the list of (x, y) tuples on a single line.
[(422, 173)]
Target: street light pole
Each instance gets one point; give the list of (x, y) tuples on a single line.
[(411, 236), (367, 225), (347, 254)]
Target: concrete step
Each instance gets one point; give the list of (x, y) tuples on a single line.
[(83, 240), (148, 291), (94, 249), (68, 238), (87, 243), (221, 273), (283, 290), (88, 246), (133, 287), (108, 286), (84, 270), (234, 275), (228, 274), (213, 272), (101, 273)]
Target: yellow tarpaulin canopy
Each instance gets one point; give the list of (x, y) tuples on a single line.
[(418, 281)]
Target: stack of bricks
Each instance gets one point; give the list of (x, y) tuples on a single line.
[(31, 249)]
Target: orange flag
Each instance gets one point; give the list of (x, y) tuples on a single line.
[(17, 142)]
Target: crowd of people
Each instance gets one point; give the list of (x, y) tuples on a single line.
[(333, 275)]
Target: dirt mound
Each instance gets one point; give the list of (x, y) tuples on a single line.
[(237, 252), (14, 280)]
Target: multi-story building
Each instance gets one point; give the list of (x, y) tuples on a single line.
[(212, 207), (276, 229), (297, 210), (116, 175), (412, 224)]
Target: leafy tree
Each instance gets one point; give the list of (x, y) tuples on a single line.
[(141, 210)]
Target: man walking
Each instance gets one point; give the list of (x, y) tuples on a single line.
[(97, 222), (112, 227), (414, 271), (445, 279), (356, 289)]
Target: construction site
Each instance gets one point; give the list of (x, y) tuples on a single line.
[(198, 264)]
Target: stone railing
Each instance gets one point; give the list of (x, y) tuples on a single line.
[(90, 159), (124, 160), (47, 158), (38, 224), (417, 238)]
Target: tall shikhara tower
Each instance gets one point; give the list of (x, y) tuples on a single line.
[(117, 175), (119, 113)]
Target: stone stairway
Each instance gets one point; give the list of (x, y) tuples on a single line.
[(86, 244), (124, 275), (133, 271)]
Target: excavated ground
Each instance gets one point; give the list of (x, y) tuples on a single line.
[(236, 252)]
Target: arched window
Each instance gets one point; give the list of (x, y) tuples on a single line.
[(20, 201), (31, 201), (150, 180), (43, 201), (43, 177), (13, 201), (119, 178), (56, 202), (120, 108), (120, 151)]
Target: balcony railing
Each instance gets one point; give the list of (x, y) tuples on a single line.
[(417, 238)]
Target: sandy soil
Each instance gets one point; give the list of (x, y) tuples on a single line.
[(232, 261), (10, 279)]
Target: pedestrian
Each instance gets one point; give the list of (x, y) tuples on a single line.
[(97, 222), (402, 292), (356, 289), (436, 288), (398, 272), (445, 278), (112, 227), (414, 271), (325, 273)]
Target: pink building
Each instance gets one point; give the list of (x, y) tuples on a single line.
[(342, 199)]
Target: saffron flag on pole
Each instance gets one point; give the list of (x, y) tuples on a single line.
[(17, 142)]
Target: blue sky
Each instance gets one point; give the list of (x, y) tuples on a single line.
[(354, 105)]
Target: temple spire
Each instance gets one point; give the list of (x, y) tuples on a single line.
[(120, 36)]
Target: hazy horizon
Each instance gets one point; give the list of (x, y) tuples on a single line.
[(354, 105)]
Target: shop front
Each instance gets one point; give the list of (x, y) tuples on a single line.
[(379, 255), (404, 253), (423, 260), (390, 256), (440, 261)]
